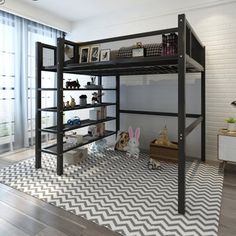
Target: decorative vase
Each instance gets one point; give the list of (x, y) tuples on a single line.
[(231, 126)]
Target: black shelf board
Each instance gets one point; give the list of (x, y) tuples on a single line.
[(134, 66), (52, 149), (77, 107), (80, 89), (84, 123)]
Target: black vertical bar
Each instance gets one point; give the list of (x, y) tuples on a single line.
[(181, 111), (100, 85), (60, 64), (39, 62), (117, 103), (203, 107)]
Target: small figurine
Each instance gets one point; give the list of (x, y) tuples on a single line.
[(95, 98), (163, 139), (72, 84), (72, 102), (92, 83), (133, 144), (67, 104)]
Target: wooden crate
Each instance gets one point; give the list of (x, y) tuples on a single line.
[(163, 153)]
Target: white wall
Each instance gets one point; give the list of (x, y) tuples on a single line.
[(27, 11), (215, 24)]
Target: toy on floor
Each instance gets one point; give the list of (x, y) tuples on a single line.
[(99, 146), (133, 145), (153, 164), (163, 139), (122, 140)]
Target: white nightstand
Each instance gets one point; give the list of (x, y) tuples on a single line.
[(226, 146)]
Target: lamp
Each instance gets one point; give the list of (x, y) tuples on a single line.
[(233, 103)]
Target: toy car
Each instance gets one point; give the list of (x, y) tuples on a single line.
[(74, 121), (153, 164)]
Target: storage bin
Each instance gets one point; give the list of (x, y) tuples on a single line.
[(163, 153)]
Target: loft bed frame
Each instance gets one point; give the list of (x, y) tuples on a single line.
[(189, 59)]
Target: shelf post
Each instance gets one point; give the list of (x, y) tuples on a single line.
[(38, 74), (99, 91), (203, 107), (181, 111), (60, 65), (117, 104)]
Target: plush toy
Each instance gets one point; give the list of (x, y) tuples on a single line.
[(122, 140), (133, 145)]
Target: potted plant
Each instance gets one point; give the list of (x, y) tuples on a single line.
[(231, 123)]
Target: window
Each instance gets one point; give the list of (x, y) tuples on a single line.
[(17, 79)]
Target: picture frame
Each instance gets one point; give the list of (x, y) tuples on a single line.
[(138, 52), (105, 55), (84, 55), (94, 53)]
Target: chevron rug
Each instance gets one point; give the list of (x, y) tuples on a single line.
[(122, 194)]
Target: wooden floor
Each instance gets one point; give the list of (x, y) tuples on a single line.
[(21, 214)]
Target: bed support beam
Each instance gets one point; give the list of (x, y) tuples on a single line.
[(157, 113), (181, 111), (60, 65), (192, 126), (117, 104), (203, 107), (38, 101)]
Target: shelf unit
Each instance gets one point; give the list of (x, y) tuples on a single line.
[(189, 59)]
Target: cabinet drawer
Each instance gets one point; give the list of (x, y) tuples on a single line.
[(226, 148)]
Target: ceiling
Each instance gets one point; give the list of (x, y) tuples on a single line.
[(74, 10)]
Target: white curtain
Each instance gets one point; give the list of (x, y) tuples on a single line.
[(17, 80)]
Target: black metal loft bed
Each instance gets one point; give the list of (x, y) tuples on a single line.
[(189, 59)]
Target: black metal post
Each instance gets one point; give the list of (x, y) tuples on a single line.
[(39, 62), (203, 108), (117, 103), (60, 65), (181, 111), (99, 91)]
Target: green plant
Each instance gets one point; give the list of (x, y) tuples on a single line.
[(231, 120)]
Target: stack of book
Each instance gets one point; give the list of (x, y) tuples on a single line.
[(98, 113)]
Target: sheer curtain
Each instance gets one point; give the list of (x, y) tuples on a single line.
[(17, 79)]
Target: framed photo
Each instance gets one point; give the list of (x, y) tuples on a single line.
[(105, 55), (69, 52), (138, 52), (94, 53), (84, 55)]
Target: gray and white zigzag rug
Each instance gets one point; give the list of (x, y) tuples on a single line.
[(122, 194)]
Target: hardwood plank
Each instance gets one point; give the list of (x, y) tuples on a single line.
[(8, 229), (41, 215), (49, 231), (227, 226), (20, 220), (90, 227)]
